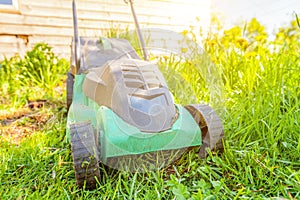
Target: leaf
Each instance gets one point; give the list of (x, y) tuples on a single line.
[(203, 185), (173, 181), (216, 184), (181, 192), (210, 197)]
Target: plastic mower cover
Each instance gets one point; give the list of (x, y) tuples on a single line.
[(119, 138), (95, 52)]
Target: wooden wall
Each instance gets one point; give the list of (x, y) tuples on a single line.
[(51, 20)]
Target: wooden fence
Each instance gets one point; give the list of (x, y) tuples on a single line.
[(50, 21)]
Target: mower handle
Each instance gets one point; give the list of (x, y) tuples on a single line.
[(138, 30), (76, 39)]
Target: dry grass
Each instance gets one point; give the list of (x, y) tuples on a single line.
[(18, 124)]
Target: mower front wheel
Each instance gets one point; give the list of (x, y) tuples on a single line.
[(85, 155)]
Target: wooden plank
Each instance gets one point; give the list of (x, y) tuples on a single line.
[(101, 11), (98, 9), (67, 23), (41, 30), (51, 11), (119, 5), (119, 18), (9, 47), (55, 31), (26, 26), (7, 39), (60, 8), (53, 40), (13, 42), (6, 18), (47, 16), (61, 48), (12, 49)]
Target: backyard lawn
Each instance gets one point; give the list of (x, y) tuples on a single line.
[(254, 83)]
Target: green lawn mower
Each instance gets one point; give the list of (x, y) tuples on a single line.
[(119, 106)]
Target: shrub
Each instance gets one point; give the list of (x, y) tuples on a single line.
[(40, 69)]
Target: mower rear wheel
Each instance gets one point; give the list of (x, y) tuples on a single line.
[(70, 86), (85, 155), (211, 128)]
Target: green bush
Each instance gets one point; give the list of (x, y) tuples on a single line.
[(40, 69)]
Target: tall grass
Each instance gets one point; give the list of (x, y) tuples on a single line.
[(259, 81)]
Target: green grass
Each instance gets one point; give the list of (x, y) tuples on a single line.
[(260, 111)]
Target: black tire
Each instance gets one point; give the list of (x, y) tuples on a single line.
[(85, 155), (70, 87), (211, 128)]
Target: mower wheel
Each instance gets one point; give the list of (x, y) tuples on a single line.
[(85, 155), (70, 86), (211, 128)]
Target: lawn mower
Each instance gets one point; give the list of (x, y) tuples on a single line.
[(119, 106)]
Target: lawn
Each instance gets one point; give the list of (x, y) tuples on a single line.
[(254, 84)]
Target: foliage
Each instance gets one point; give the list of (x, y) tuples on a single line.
[(259, 81), (40, 69)]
